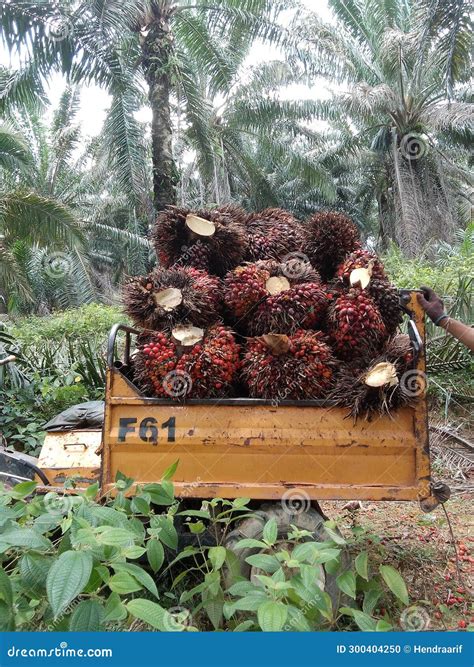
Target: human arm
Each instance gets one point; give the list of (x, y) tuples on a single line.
[(433, 305)]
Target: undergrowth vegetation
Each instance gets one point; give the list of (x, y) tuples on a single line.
[(128, 567)]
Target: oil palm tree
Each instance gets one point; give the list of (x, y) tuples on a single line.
[(56, 245), (136, 48), (403, 68)]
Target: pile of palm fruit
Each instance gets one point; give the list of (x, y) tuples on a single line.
[(264, 306)]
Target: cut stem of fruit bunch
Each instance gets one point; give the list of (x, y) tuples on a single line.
[(273, 297), (381, 386), (167, 297), (213, 240), (188, 363), (299, 366)]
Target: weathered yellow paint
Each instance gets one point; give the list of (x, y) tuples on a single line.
[(244, 448), (68, 454)]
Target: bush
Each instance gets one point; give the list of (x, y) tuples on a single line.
[(116, 553), (61, 362)]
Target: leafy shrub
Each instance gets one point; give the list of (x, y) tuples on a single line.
[(117, 553)]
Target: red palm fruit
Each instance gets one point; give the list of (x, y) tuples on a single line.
[(213, 365), (203, 366), (329, 236), (167, 297), (387, 299), (361, 259), (272, 296), (279, 367), (156, 357), (272, 234), (178, 241), (355, 325)]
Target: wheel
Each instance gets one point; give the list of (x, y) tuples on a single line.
[(310, 520)]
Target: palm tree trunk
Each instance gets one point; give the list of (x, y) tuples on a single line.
[(156, 51)]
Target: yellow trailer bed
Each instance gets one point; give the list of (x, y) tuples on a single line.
[(253, 448)]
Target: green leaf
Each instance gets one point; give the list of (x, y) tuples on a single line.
[(217, 557), (88, 616), (169, 472), (115, 537), (123, 583), (139, 505), (155, 554), (6, 591), (371, 598), (139, 574), (264, 562), (34, 569), (168, 534), (395, 582), (383, 626), (196, 528), (92, 491), (331, 529), (347, 583), (244, 626), (270, 531), (249, 543), (151, 613), (365, 622), (361, 565), (115, 610), (66, 578), (272, 615), (26, 537), (22, 490)]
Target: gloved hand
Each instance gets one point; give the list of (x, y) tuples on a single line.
[(432, 304)]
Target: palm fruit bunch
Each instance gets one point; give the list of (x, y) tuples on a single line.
[(384, 384), (188, 362), (329, 237), (167, 297), (296, 367), (272, 234), (213, 240), (271, 296), (364, 269), (361, 259), (355, 325)]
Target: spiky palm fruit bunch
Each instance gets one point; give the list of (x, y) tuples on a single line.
[(355, 325), (272, 296), (361, 259), (181, 236), (387, 299), (295, 367), (200, 367), (167, 297), (329, 237), (383, 384), (272, 234)]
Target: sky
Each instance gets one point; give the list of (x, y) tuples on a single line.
[(95, 101)]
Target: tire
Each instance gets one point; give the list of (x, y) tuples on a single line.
[(310, 520)]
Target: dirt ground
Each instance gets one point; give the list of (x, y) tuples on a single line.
[(420, 546)]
